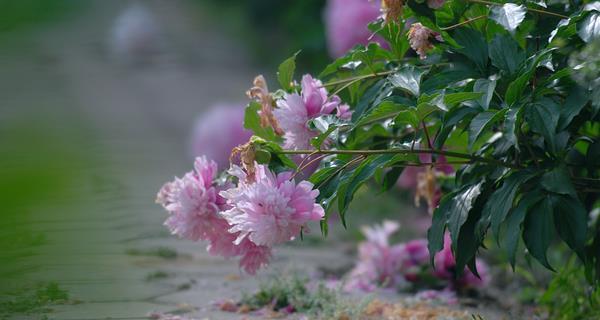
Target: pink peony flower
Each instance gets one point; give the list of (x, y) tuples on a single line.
[(346, 24), (415, 257), (378, 262), (294, 111), (272, 209), (218, 131), (420, 37), (194, 204), (254, 256)]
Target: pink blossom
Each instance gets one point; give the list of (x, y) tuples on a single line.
[(378, 261), (294, 111), (414, 258), (217, 131), (271, 210), (192, 202), (194, 206), (253, 256), (346, 24)]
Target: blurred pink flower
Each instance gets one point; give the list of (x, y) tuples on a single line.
[(294, 111), (445, 296), (217, 131), (378, 262), (415, 256), (445, 268), (272, 209), (346, 24)]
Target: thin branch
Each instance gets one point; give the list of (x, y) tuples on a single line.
[(463, 23), (528, 9), (473, 158), (367, 76)]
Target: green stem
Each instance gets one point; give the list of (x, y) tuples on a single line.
[(528, 9), (357, 78), (473, 158), (463, 23)]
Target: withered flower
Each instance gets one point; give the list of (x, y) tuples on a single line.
[(392, 10), (260, 93), (420, 38), (426, 188)]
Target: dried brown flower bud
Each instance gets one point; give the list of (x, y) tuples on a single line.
[(260, 93), (420, 38), (426, 188), (247, 153), (392, 10)]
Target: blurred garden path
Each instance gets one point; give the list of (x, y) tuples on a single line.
[(125, 129)]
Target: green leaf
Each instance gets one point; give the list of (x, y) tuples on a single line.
[(252, 122), (508, 15), (407, 116), (459, 209), (516, 88), (481, 122), (543, 119), (473, 46), (506, 54), (435, 233), (589, 28), (558, 181), (390, 178), (575, 102), (513, 224), (385, 110), (486, 87), (285, 72), (452, 99), (408, 79), (501, 201), (538, 230), (570, 219), (372, 96), (358, 177)]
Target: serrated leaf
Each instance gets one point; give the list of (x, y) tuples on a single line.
[(408, 79), (285, 72), (543, 119), (574, 103), (506, 54), (570, 218), (513, 224), (486, 87), (516, 88), (481, 122), (538, 230), (385, 110), (473, 46), (558, 181), (589, 28), (407, 116), (358, 177), (435, 233), (509, 15), (501, 201), (452, 99), (459, 209)]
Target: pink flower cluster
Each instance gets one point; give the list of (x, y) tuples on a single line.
[(381, 264), (295, 110), (244, 220), (346, 24)]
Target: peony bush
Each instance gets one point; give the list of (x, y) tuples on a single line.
[(499, 101)]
